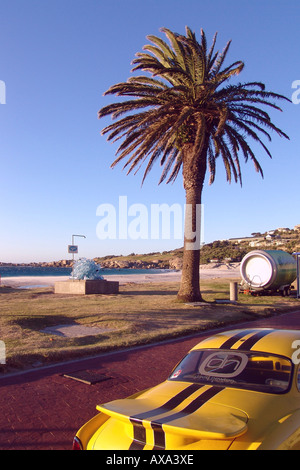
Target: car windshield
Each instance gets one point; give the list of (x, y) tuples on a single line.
[(248, 370)]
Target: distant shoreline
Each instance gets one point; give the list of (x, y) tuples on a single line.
[(210, 271)]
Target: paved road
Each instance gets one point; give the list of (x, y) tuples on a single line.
[(42, 409)]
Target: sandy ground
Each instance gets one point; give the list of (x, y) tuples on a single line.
[(209, 271)]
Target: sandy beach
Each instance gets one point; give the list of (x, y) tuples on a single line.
[(209, 271)]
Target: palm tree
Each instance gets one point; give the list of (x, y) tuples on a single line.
[(186, 115)]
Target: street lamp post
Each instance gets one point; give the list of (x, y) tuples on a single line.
[(82, 236)]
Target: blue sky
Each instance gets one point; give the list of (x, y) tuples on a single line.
[(58, 57)]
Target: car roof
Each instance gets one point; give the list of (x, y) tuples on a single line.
[(274, 341)]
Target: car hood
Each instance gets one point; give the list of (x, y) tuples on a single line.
[(184, 415)]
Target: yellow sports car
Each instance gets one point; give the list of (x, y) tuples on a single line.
[(235, 390)]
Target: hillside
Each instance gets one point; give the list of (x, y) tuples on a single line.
[(165, 260), (232, 250)]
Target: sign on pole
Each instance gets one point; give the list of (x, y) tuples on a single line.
[(72, 249)]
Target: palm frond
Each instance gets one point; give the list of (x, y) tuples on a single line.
[(179, 56), (181, 102)]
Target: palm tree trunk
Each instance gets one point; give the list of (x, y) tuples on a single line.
[(193, 178), (190, 280)]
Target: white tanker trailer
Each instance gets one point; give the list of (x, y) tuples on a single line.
[(267, 272)]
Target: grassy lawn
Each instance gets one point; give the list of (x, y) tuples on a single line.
[(139, 314)]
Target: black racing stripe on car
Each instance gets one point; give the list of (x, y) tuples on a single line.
[(195, 405), (157, 425), (139, 432), (135, 445), (170, 404), (231, 341), (139, 435), (159, 437), (250, 342)]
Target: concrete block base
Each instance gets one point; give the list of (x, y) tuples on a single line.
[(80, 287)]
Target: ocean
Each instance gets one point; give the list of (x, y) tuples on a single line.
[(16, 271)]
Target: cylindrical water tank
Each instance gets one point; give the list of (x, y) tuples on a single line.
[(268, 269)]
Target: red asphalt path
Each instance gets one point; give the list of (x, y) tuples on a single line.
[(42, 410)]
